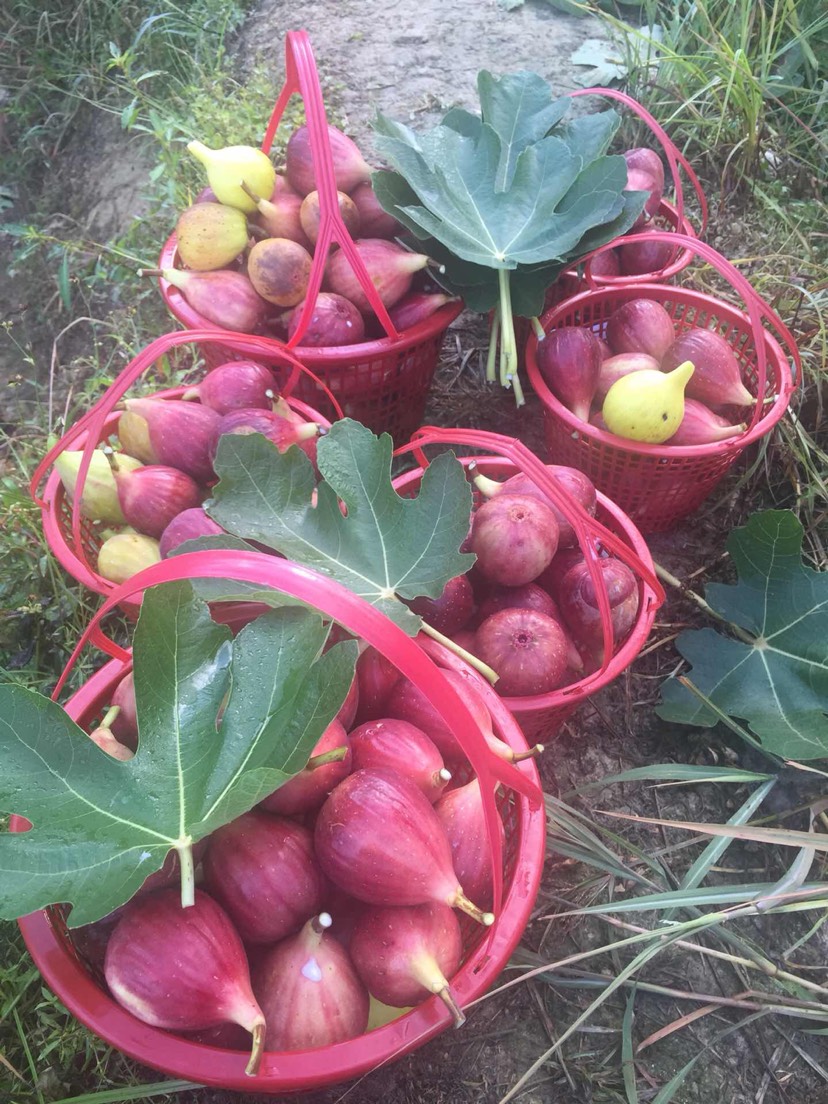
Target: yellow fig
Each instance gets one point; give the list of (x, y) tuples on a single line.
[(133, 433), (99, 500), (380, 1014), (210, 235), (125, 554), (648, 405), (228, 167)]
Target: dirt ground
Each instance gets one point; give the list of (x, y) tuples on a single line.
[(412, 60)]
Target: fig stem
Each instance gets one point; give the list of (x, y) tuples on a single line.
[(460, 901), (532, 753), (537, 327), (486, 486), (185, 860), (257, 1049), (257, 232), (110, 716), (426, 971), (457, 1012), (672, 581), (321, 923), (491, 356), (245, 187), (335, 755), (150, 272), (485, 670)]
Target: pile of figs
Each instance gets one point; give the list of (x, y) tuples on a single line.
[(146, 497), (246, 247), (330, 908)]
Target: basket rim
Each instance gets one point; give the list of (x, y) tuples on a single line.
[(292, 1070), (633, 642), (336, 355), (553, 407)]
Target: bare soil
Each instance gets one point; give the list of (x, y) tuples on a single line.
[(413, 61)]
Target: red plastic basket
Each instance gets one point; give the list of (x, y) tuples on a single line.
[(74, 540), (542, 715), (657, 485), (486, 951), (382, 383)]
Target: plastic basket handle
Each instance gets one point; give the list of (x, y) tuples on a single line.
[(301, 77), (757, 310), (363, 620), (674, 156), (584, 525), (92, 423)]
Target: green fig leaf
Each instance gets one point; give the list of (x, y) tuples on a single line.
[(100, 825), (383, 547), (775, 676)]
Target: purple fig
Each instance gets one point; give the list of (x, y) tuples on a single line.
[(334, 321), (325, 769), (402, 747), (188, 525), (279, 215), (417, 306), (181, 433), (389, 266), (103, 736), (225, 298), (152, 496), (283, 432), (125, 724), (461, 813), (349, 166), (310, 215), (717, 380), (569, 359), (237, 385), (451, 611), (700, 426), (373, 220)]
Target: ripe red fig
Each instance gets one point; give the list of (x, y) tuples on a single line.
[(279, 215), (574, 482), (180, 433), (461, 814), (550, 580), (188, 525), (417, 306), (378, 838), (349, 166), (334, 321), (639, 180), (451, 611), (640, 326), (309, 991), (389, 266), (283, 432), (373, 220), (403, 955), (569, 360), (152, 496), (514, 538), (348, 710), (644, 255), (528, 597), (606, 264), (376, 677), (330, 762), (237, 385), (261, 869), (399, 746), (579, 603), (183, 969), (125, 724), (700, 426), (717, 380), (409, 703), (529, 651), (279, 270), (615, 367), (310, 215), (225, 298)]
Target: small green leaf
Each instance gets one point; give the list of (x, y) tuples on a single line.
[(383, 548), (777, 679)]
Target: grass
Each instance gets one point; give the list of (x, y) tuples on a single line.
[(739, 87)]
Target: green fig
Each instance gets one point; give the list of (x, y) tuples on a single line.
[(210, 236), (125, 554), (228, 167), (99, 500)]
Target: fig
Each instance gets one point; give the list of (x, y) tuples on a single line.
[(528, 597), (133, 433), (700, 426), (125, 724), (183, 969), (349, 166), (282, 432), (279, 270), (99, 498), (378, 838), (334, 321), (348, 709), (451, 611), (577, 485), (460, 811), (640, 326), (309, 992), (569, 359), (389, 266), (210, 235), (606, 265), (237, 385), (310, 215), (614, 367), (125, 554), (404, 955), (643, 255), (373, 220), (528, 649), (151, 496), (225, 298), (376, 677), (230, 167), (279, 215), (103, 736), (399, 746), (309, 788), (180, 434), (639, 180), (579, 603), (261, 869), (514, 537), (188, 525), (717, 379), (416, 307)]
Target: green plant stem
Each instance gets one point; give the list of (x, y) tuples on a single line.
[(335, 755), (538, 328), (508, 345), (485, 670), (185, 860), (672, 581), (110, 716), (491, 357)]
